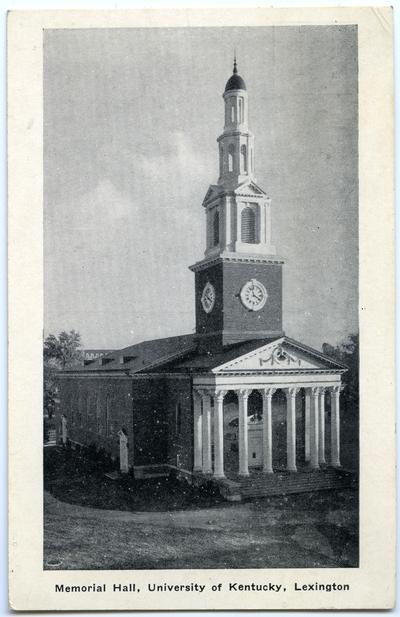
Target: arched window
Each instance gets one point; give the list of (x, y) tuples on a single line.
[(88, 403), (243, 158), (231, 151), (98, 415), (178, 418), (216, 228), (249, 225), (233, 111), (81, 407), (241, 118), (108, 417)]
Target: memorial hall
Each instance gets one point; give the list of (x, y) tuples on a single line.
[(237, 402)]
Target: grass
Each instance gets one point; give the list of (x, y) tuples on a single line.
[(94, 523)]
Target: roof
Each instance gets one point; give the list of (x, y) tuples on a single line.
[(139, 357), (206, 361), (235, 82), (180, 354)]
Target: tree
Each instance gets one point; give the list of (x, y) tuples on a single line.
[(347, 352), (59, 352), (62, 350)]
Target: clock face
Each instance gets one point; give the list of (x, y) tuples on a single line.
[(208, 298), (253, 295)]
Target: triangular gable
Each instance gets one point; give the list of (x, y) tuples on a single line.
[(281, 355), (213, 192), (250, 189)]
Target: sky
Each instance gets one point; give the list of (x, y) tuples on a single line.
[(131, 118)]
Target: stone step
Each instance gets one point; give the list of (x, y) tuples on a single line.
[(297, 482)]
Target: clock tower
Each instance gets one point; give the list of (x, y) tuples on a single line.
[(239, 280)]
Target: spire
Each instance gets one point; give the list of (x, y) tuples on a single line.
[(234, 62)]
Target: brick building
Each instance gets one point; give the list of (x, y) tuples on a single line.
[(238, 397)]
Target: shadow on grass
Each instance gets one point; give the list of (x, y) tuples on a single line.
[(77, 479)]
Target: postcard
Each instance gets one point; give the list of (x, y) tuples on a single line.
[(201, 300)]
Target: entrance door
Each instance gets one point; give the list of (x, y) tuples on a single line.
[(255, 445)]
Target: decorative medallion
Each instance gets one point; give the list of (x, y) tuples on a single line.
[(253, 295), (208, 298)]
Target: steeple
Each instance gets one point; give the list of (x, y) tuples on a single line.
[(239, 280), (238, 210), (236, 144)]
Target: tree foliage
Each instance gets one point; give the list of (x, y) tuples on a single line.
[(59, 352), (347, 353)]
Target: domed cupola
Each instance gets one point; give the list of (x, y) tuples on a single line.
[(235, 82)]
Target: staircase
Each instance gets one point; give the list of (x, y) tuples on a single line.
[(305, 480)]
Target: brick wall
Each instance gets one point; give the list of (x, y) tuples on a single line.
[(150, 420), (96, 409), (229, 314), (180, 422)]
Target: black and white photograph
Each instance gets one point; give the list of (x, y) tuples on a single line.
[(201, 309), (201, 340)]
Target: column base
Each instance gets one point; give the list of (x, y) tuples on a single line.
[(268, 470), (244, 474), (291, 468), (206, 472), (218, 476), (197, 470), (322, 462), (336, 464), (314, 466)]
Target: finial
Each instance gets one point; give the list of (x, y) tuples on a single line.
[(234, 62)]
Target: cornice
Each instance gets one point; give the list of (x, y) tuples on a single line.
[(235, 258)]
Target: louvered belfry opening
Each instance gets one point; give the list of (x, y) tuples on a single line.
[(249, 225)]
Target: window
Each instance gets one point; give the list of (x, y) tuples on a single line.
[(243, 159), (241, 118), (98, 415), (88, 403), (81, 405), (231, 151), (233, 111), (108, 417), (248, 225), (216, 228), (178, 418)]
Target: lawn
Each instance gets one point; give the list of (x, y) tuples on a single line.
[(95, 523)]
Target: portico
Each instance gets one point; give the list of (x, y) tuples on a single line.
[(290, 371)]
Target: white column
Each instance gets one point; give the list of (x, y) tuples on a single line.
[(219, 434), (243, 433), (197, 432), (314, 441), (206, 429), (291, 428), (123, 452), (335, 426), (307, 427), (64, 430), (267, 429), (321, 428)]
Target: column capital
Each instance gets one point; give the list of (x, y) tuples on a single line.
[(244, 393), (336, 389), (267, 393), (315, 390), (196, 393), (203, 391), (291, 391), (219, 395)]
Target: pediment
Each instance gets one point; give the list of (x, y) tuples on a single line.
[(213, 192), (280, 355), (250, 189)]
